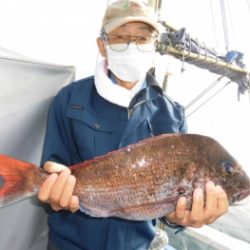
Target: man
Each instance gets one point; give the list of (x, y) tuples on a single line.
[(120, 105)]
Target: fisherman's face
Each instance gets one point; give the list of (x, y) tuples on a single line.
[(132, 30)]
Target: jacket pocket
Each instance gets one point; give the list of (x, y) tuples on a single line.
[(92, 135)]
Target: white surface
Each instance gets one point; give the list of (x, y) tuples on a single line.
[(220, 238), (26, 90)]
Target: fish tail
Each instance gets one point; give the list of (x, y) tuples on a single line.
[(17, 180)]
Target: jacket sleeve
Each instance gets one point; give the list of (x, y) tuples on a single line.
[(177, 115), (168, 117), (57, 144)]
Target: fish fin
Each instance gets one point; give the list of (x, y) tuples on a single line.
[(16, 180), (94, 212)]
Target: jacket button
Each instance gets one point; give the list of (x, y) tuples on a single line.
[(97, 125)]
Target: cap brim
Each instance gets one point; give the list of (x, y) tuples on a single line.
[(119, 22)]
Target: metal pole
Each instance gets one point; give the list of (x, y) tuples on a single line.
[(152, 3), (156, 4)]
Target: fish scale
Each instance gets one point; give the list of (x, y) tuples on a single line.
[(142, 181)]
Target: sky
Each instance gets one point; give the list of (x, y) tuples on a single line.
[(64, 32)]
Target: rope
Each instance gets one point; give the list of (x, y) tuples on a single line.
[(224, 23), (248, 7), (204, 92), (248, 4), (208, 99), (231, 24)]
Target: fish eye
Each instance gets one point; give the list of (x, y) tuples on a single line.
[(228, 167)]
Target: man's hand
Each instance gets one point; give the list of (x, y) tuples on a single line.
[(57, 189), (216, 204)]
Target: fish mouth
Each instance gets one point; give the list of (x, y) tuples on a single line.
[(241, 195)]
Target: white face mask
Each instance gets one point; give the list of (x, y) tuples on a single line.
[(131, 64)]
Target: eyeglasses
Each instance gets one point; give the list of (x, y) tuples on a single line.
[(120, 42)]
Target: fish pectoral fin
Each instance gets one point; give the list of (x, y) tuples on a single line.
[(94, 212)]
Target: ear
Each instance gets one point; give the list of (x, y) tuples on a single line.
[(101, 46)]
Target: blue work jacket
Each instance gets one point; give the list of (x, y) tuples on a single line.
[(82, 125)]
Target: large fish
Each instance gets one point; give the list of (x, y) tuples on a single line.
[(139, 182)]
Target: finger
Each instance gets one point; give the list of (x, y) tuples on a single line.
[(45, 189), (74, 204), (196, 215), (55, 207), (67, 191), (211, 198), (221, 204), (211, 202), (222, 201), (180, 209), (53, 167), (57, 189)]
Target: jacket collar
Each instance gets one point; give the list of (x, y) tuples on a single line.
[(81, 97)]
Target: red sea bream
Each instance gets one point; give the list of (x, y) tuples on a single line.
[(139, 182)]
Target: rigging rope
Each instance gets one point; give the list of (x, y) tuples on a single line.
[(204, 92), (248, 7), (208, 99), (248, 4), (224, 23), (231, 25)]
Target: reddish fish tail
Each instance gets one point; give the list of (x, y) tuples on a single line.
[(17, 180)]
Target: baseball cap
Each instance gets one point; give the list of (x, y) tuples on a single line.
[(124, 11)]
